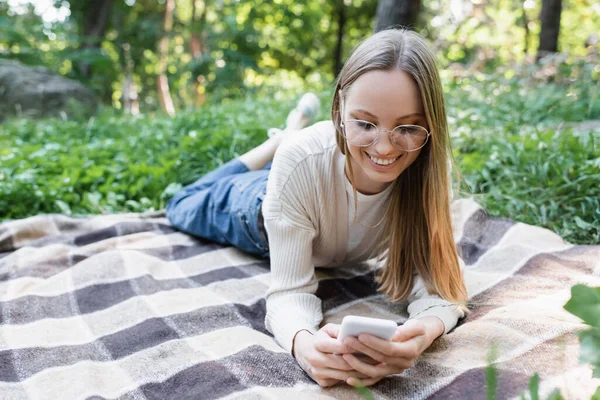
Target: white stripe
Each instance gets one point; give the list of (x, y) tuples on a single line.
[(76, 330), (15, 391), (25, 230), (99, 269), (116, 378), (574, 383), (302, 391), (518, 245), (460, 211), (509, 343)]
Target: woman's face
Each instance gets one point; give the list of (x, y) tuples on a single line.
[(387, 99)]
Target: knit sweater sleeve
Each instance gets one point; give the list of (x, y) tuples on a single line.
[(422, 304), (291, 301)]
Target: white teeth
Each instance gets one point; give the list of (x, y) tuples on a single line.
[(379, 161)]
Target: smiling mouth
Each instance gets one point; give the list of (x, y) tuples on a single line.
[(383, 162)]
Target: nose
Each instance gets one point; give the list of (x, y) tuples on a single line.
[(384, 146)]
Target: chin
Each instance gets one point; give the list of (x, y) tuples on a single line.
[(384, 178)]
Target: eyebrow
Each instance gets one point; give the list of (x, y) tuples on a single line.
[(397, 119)]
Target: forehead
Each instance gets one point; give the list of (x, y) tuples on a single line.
[(386, 94)]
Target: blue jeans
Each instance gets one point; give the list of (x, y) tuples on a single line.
[(224, 206)]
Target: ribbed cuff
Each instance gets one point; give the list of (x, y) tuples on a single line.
[(447, 312)]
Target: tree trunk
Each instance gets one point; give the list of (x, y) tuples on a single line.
[(397, 12), (197, 48), (94, 28), (550, 19), (526, 27), (164, 96), (131, 104), (195, 41), (339, 48)]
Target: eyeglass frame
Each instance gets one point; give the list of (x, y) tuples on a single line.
[(379, 130), (389, 132)]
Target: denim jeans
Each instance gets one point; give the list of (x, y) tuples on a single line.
[(224, 206)]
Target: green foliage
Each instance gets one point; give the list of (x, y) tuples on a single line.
[(519, 157), (246, 45), (534, 387), (491, 376), (585, 304), (520, 164), (365, 393), (116, 163), (494, 33)]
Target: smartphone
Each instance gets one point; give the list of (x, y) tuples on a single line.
[(353, 326)]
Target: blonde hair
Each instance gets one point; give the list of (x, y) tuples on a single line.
[(418, 233)]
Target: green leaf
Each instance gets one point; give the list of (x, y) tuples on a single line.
[(596, 395), (64, 207), (555, 395), (585, 303), (491, 382), (364, 393), (171, 190), (534, 387), (582, 224), (590, 349)]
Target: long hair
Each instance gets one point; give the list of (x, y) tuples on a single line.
[(418, 234)]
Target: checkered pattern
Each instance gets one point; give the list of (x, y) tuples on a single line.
[(124, 306)]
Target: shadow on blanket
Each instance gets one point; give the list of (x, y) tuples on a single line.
[(124, 306)]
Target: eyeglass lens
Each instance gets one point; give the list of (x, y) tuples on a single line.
[(405, 137)]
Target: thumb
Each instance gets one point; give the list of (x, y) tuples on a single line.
[(332, 330), (408, 330)]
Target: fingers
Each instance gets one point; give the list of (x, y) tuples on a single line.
[(323, 358), (357, 345), (331, 346), (328, 373), (366, 359), (335, 361), (382, 350), (332, 330), (408, 330), (362, 382), (326, 382), (326, 340), (372, 371)]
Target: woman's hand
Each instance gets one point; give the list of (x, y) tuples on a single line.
[(393, 357), (321, 356)]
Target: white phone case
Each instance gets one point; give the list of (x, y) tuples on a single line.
[(353, 326)]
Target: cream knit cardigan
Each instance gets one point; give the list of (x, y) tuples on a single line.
[(305, 212)]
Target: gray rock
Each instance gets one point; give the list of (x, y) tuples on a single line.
[(38, 92)]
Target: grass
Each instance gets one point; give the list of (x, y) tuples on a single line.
[(520, 152), (117, 163), (511, 136)]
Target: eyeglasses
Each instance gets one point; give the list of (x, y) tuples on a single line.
[(404, 137)]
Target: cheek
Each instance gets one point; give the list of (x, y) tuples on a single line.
[(355, 152), (412, 157)]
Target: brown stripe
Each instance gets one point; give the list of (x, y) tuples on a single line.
[(543, 274)]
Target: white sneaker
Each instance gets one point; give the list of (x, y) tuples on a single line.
[(307, 109)]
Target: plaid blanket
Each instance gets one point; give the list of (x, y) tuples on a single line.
[(124, 306)]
